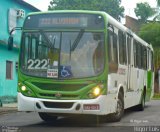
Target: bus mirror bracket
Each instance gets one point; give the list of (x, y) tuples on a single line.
[(10, 39)]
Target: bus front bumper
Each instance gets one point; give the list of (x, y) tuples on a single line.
[(102, 105)]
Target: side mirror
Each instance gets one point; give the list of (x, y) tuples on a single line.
[(10, 43), (10, 39)]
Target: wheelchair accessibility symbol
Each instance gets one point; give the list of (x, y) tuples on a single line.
[(66, 71)]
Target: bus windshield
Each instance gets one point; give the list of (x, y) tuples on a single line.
[(62, 54)]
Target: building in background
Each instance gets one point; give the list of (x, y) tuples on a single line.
[(133, 24), (13, 13)]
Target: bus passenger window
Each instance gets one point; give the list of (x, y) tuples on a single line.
[(112, 52), (138, 46), (144, 58), (122, 48), (135, 53), (129, 49), (152, 63)]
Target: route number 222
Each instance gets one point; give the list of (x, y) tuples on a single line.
[(37, 64)]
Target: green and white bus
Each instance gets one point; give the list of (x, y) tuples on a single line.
[(82, 62)]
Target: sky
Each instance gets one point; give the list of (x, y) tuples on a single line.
[(129, 5)]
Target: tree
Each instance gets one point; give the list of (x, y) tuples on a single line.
[(143, 11), (150, 32), (112, 7)]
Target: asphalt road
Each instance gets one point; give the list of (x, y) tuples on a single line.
[(132, 121)]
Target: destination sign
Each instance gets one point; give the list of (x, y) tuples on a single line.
[(64, 20)]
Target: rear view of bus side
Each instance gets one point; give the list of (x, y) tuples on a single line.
[(82, 62)]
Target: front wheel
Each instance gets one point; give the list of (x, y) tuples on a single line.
[(119, 111), (47, 117)]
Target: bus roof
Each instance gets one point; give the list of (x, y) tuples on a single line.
[(68, 11)]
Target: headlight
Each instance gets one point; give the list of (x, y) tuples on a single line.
[(23, 88), (96, 91)]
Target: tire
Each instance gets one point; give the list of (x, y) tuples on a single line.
[(47, 117), (115, 117), (141, 106)]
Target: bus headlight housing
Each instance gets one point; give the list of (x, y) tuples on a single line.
[(23, 88), (26, 91), (96, 91)]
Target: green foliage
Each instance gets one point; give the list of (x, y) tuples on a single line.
[(112, 7), (143, 11), (150, 32)]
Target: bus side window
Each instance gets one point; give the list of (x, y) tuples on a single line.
[(152, 63), (139, 64), (129, 49), (148, 60), (112, 52), (144, 58), (135, 53), (122, 48)]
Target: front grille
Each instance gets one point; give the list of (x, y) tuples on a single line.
[(62, 96), (65, 105), (59, 87)]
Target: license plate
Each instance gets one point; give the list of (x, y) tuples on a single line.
[(91, 107)]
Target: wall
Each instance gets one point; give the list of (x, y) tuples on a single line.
[(8, 88), (4, 8)]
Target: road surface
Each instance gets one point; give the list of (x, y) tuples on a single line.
[(132, 121)]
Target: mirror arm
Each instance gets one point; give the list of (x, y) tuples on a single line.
[(10, 39), (13, 29)]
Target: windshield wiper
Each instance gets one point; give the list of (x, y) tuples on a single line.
[(49, 43), (78, 38)]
